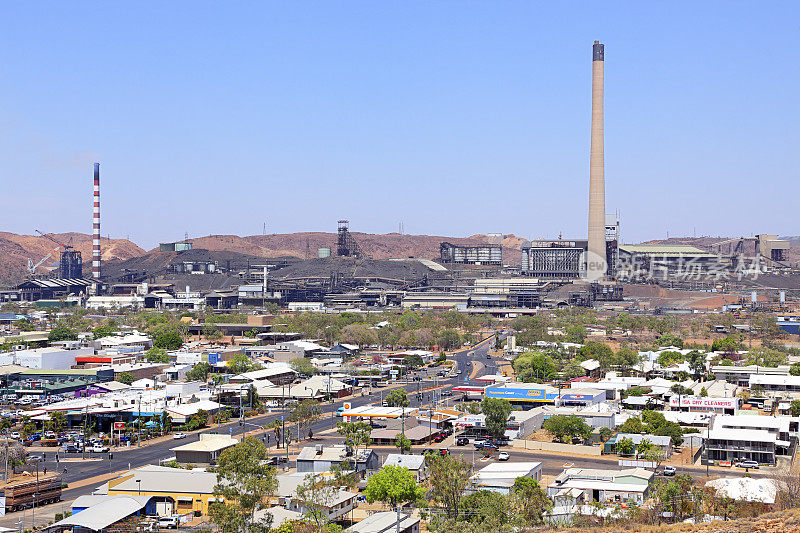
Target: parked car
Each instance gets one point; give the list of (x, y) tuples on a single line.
[(71, 448), (15, 435), (746, 464), (49, 434), (462, 441), (275, 461), (444, 451), (669, 471), (438, 438), (168, 522), (178, 436), (99, 448), (503, 456)]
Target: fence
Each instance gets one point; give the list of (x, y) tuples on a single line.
[(556, 447)]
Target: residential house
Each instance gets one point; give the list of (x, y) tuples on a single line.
[(386, 522), (321, 458), (585, 485), (500, 477), (661, 441), (415, 463)]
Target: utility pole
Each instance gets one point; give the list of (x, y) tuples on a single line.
[(139, 424)]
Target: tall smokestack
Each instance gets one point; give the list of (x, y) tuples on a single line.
[(597, 186), (96, 225)]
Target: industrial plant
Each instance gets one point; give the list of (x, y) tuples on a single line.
[(470, 276)]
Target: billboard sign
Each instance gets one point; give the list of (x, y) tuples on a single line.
[(119, 425), (699, 402)]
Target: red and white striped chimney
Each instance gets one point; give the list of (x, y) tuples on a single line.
[(96, 225)]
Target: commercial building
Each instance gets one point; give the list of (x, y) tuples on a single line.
[(175, 490), (776, 384), (658, 260), (50, 358), (532, 393), (740, 375), (727, 406), (205, 451)]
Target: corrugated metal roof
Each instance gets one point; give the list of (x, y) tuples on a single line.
[(665, 249)]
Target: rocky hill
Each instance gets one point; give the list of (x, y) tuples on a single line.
[(389, 246)]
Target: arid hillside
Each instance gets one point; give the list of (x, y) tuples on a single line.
[(388, 246), (15, 250)]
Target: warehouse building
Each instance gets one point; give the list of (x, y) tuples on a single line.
[(483, 254)]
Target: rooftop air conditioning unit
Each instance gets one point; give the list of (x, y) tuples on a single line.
[(319, 449)]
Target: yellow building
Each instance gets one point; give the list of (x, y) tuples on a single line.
[(175, 490)]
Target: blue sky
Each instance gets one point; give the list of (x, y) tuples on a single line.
[(453, 117)]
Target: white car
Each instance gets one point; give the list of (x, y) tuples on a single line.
[(178, 436), (98, 448), (503, 456), (168, 522)]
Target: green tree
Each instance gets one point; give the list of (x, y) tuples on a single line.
[(355, 433), (393, 485), (126, 377), (600, 352), (157, 355), (212, 332), (531, 502), (567, 427), (605, 433), (305, 413), (168, 340), (572, 370), (697, 362), (496, 413), (795, 407), (795, 369), (402, 443), (244, 484), (727, 345), (397, 398), (625, 446), (576, 334), (703, 392), (534, 367), (413, 361), (61, 333), (670, 340), (303, 366), (485, 510), (448, 477), (199, 372), (241, 363), (24, 324), (448, 340), (626, 359)]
